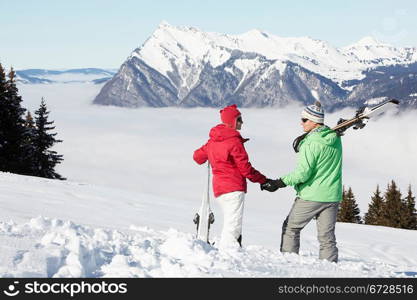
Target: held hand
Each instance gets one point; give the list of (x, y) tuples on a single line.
[(269, 185), (280, 184), (272, 185)]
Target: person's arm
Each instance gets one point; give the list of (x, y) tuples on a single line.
[(200, 155), (240, 157), (306, 163)]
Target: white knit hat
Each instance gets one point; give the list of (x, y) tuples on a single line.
[(314, 113)]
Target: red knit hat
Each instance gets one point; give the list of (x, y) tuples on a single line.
[(229, 114)]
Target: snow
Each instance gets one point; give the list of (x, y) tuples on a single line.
[(279, 66), (52, 247), (369, 49), (132, 191), (315, 94), (375, 101), (44, 247), (367, 41), (247, 66), (170, 44)]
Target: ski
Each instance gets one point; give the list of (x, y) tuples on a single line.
[(363, 115), (205, 217), (359, 121)]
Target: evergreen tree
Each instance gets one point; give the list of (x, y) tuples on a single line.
[(14, 151), (29, 142), (348, 210), (3, 113), (45, 159), (375, 209), (393, 207), (409, 216), (29, 123)]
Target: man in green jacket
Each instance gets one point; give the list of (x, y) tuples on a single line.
[(317, 180)]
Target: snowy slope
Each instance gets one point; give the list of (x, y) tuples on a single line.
[(84, 232), (133, 189)]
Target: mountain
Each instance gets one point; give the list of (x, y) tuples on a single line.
[(184, 66), (395, 81), (37, 76), (371, 52)]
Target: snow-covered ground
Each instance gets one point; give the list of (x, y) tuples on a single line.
[(132, 191), (93, 235)]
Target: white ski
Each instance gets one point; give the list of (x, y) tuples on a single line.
[(358, 121), (363, 115), (205, 217)]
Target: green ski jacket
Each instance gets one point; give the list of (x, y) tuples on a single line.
[(318, 175)]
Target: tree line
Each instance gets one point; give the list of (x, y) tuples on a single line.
[(390, 209), (25, 141)]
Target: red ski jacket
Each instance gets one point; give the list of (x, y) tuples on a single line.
[(229, 161)]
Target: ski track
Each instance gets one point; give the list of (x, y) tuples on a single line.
[(45, 247)]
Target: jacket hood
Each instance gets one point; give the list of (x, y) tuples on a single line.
[(221, 132), (323, 135)]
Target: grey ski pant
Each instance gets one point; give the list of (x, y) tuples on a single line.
[(300, 215)]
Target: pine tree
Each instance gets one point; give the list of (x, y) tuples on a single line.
[(3, 113), (409, 215), (375, 209), (29, 142), (348, 210), (29, 123), (45, 159), (393, 207), (14, 151)]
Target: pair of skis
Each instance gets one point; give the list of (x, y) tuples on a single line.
[(205, 217), (359, 121), (364, 114)]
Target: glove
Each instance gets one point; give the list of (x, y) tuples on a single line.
[(280, 184), (272, 185), (269, 185), (341, 131)]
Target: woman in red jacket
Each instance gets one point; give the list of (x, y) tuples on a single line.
[(230, 166)]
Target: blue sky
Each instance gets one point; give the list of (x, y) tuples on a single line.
[(102, 33)]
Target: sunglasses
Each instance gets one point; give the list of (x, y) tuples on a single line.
[(304, 120), (239, 120)]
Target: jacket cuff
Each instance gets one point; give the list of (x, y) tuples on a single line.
[(283, 180), (263, 180), (281, 183)]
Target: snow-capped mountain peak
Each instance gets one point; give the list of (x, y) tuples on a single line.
[(254, 34), (164, 24), (183, 46), (177, 59), (372, 52), (368, 41)]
